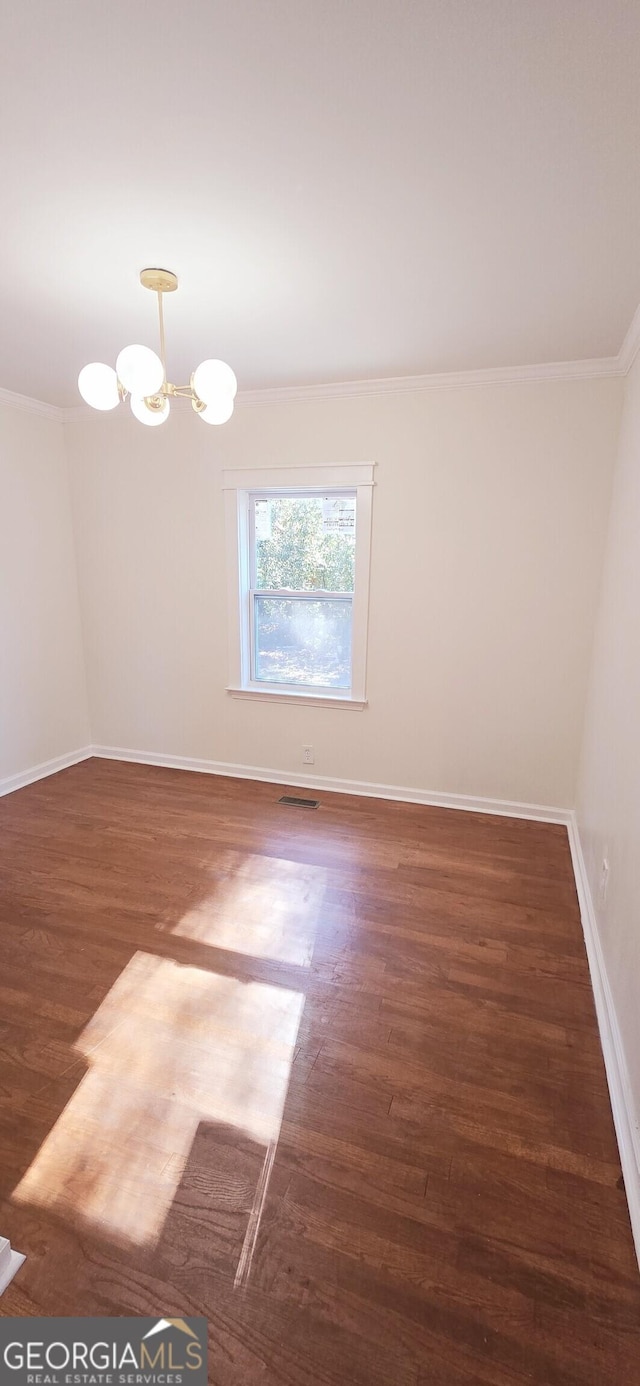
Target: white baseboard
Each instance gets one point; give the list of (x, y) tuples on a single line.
[(40, 772), (504, 808), (626, 1125), (624, 1115), (10, 1263)]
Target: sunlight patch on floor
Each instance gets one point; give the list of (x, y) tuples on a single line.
[(170, 1047), (267, 908)]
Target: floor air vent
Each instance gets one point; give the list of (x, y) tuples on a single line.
[(292, 801)]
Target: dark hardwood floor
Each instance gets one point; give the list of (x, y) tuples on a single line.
[(331, 1079)]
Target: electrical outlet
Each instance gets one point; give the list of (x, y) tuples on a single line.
[(307, 755), (604, 879)]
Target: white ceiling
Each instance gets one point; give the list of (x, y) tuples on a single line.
[(347, 188)]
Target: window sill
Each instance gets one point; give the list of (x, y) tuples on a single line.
[(274, 695)]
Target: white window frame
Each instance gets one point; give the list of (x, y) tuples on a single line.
[(239, 486)]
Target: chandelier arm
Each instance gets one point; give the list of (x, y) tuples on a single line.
[(186, 391)]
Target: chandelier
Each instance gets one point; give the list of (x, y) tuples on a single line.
[(142, 375)]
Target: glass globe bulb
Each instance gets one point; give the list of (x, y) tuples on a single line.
[(98, 385), (214, 380), (217, 413), (151, 417), (140, 371)]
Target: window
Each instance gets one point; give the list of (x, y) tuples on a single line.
[(298, 554), (302, 550)]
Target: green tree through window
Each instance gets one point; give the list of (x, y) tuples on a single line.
[(299, 555)]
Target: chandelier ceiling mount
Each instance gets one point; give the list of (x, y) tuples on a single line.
[(159, 280), (142, 374)]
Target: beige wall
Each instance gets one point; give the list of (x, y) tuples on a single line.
[(489, 519), (609, 786), (43, 704)]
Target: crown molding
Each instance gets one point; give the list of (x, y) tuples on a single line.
[(596, 368), (417, 384), (26, 405), (631, 344), (593, 369), (82, 413)]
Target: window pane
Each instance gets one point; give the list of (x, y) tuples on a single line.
[(298, 641), (306, 543)]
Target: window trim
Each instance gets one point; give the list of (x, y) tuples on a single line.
[(237, 486)]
